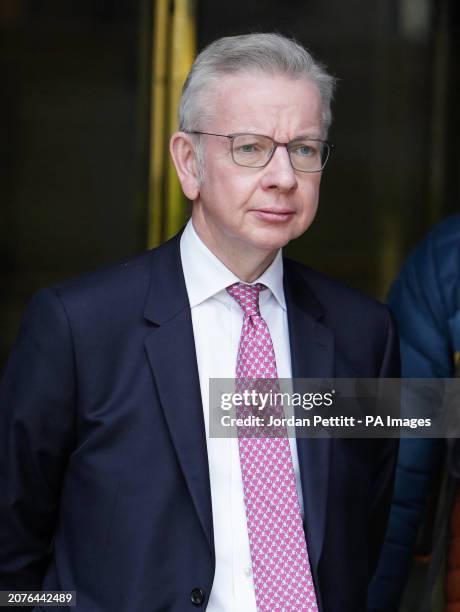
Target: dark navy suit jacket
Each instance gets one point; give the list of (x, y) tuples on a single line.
[(104, 483)]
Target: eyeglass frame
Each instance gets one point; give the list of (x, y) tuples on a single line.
[(276, 144)]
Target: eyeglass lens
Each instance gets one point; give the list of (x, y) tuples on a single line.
[(255, 151)]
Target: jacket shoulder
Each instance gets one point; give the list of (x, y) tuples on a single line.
[(108, 294), (334, 295), (363, 329)]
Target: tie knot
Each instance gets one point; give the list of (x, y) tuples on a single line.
[(247, 297)]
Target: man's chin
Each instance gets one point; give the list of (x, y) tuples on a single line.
[(270, 246)]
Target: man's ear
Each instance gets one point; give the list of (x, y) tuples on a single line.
[(183, 155)]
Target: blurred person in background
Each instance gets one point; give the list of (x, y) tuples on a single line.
[(425, 515)]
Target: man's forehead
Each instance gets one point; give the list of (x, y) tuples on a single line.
[(254, 102)]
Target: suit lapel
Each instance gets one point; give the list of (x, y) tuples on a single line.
[(171, 351), (312, 356)]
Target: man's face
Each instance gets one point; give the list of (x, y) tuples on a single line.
[(257, 210)]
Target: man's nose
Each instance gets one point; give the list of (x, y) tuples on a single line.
[(279, 173)]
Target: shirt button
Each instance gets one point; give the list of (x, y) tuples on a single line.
[(248, 571)]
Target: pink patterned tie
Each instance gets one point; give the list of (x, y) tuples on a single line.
[(281, 569)]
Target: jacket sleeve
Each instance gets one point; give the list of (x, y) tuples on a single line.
[(417, 302), (384, 466), (37, 400)]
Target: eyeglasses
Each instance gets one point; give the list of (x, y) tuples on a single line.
[(256, 151)]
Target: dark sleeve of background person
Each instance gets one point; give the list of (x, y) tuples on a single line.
[(425, 304)]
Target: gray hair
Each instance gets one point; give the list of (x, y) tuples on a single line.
[(271, 54)]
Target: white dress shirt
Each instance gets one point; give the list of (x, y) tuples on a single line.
[(217, 320)]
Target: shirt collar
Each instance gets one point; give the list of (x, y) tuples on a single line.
[(205, 275)]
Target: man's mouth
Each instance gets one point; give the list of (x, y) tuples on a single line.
[(274, 215)]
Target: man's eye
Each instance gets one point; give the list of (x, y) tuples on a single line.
[(248, 148), (305, 150)]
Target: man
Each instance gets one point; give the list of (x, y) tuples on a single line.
[(110, 484)]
